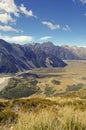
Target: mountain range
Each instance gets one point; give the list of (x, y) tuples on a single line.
[(64, 52), (16, 57)]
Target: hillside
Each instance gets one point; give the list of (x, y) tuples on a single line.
[(63, 52), (14, 58), (43, 114)]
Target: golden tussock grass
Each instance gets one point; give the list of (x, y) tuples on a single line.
[(67, 118)]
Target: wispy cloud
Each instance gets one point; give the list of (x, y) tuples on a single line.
[(26, 12), (5, 18), (10, 12), (17, 39), (8, 8), (66, 28), (45, 38), (9, 29), (83, 1), (51, 25)]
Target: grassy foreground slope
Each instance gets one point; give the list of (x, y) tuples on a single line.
[(43, 114)]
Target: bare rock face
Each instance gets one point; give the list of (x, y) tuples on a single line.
[(14, 57)]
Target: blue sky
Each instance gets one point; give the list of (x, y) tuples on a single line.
[(59, 21)]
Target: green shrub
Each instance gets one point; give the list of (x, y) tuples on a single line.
[(33, 82), (56, 82), (18, 88), (74, 87), (49, 91)]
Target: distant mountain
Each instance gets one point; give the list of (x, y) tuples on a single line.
[(79, 51), (62, 52), (14, 57)]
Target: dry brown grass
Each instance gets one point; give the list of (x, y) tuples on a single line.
[(66, 118), (46, 114)]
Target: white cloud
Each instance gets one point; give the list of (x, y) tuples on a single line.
[(26, 12), (51, 25), (5, 18), (8, 28), (83, 1), (17, 39), (9, 11), (9, 6), (67, 28), (45, 38)]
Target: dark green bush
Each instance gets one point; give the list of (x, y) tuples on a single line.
[(74, 87), (56, 82)]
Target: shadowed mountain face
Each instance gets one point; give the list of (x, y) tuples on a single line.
[(65, 52), (14, 58), (62, 52)]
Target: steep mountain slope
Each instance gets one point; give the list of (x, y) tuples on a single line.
[(62, 52), (59, 51), (14, 58)]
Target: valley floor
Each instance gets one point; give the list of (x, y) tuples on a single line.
[(47, 82)]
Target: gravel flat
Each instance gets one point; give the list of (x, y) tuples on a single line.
[(3, 82)]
